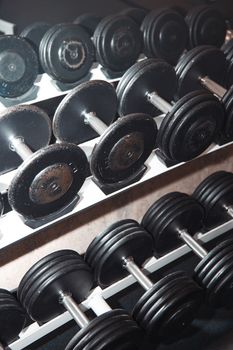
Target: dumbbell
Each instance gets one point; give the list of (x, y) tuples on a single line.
[(57, 283), (206, 26), (215, 193), (165, 34), (66, 52), (34, 33), (48, 179), (136, 13), (88, 21), (187, 127), (174, 219), (88, 111), (206, 67), (18, 66), (227, 48), (12, 317), (168, 305), (118, 42)]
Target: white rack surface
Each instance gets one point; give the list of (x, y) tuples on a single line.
[(7, 27), (35, 332)]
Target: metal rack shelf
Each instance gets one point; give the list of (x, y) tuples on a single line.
[(35, 332), (90, 195)]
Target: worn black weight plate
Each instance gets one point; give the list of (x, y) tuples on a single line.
[(227, 48), (150, 297), (34, 34), (88, 21), (208, 61), (118, 42), (123, 148), (137, 14), (193, 133), (214, 258), (96, 96), (74, 279), (191, 126), (221, 295), (177, 314), (109, 268), (165, 35), (151, 76), (203, 265), (12, 321), (156, 215), (104, 236), (18, 66), (227, 101), (31, 124), (96, 323), (28, 287), (207, 26), (48, 181), (67, 52)]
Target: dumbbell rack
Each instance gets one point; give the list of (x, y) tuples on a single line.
[(6, 27), (35, 332)]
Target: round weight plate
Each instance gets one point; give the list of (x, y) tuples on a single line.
[(72, 279), (104, 236), (29, 123), (66, 172), (195, 129), (212, 259), (150, 77), (166, 34), (137, 14), (207, 26), (153, 295), (187, 215), (227, 48), (210, 62), (67, 53), (118, 42), (88, 21), (197, 118), (203, 264), (227, 101), (18, 66), (109, 268), (12, 321), (96, 96), (123, 148), (34, 34)]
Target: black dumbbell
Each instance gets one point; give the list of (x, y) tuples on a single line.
[(173, 220), (206, 67), (34, 33), (206, 26), (88, 21), (215, 193), (187, 127), (48, 179), (89, 111), (12, 317), (66, 53), (168, 305), (57, 283), (165, 34), (136, 13), (227, 48), (18, 66)]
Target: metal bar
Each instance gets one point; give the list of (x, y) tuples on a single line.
[(36, 332), (193, 244), (135, 271), (17, 145), (213, 87), (229, 210), (159, 102), (71, 306), (96, 123)]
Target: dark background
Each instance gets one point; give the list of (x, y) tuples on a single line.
[(24, 12)]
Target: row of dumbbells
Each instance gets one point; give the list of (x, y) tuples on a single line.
[(67, 51), (63, 279), (50, 178)]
